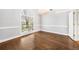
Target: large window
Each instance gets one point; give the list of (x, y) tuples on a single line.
[(26, 22)]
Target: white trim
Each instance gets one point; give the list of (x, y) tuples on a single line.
[(71, 24), (55, 32), (54, 26), (22, 34), (3, 40), (76, 39), (9, 27)]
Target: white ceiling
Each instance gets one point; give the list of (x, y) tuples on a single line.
[(42, 11)]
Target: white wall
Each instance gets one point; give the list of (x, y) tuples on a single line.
[(9, 23), (9, 17), (76, 25), (55, 23)]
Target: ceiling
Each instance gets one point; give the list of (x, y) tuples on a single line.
[(46, 11)]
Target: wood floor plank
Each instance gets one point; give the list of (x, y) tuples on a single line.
[(40, 41)]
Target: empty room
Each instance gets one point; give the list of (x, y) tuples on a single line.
[(39, 29)]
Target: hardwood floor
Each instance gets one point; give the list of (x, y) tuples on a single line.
[(52, 41), (40, 41), (20, 43)]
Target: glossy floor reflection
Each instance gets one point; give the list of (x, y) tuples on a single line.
[(20, 43), (40, 41)]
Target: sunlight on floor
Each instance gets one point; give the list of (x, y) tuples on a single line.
[(27, 42)]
